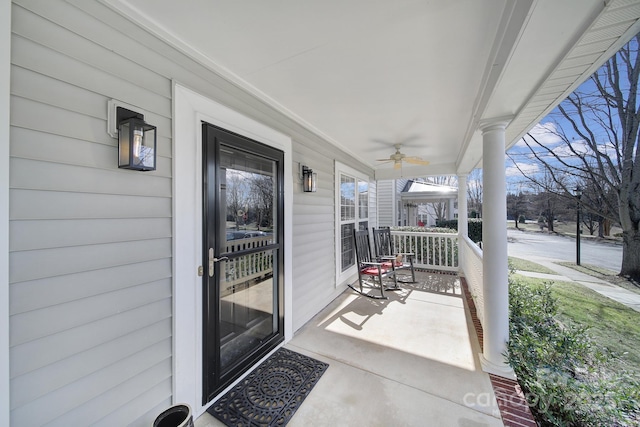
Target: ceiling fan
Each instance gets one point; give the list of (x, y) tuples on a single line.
[(397, 158)]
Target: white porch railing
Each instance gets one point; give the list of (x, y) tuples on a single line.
[(241, 269), (248, 243), (432, 250), (471, 265)]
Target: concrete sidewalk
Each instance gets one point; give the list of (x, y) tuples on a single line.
[(566, 274)]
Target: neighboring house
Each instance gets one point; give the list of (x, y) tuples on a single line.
[(415, 203), (106, 274)]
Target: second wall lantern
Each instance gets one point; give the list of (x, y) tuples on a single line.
[(309, 178)]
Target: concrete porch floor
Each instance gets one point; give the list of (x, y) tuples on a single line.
[(411, 360)]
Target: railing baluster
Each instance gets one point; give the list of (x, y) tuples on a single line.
[(432, 250)]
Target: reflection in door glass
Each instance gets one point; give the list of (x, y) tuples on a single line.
[(248, 303)]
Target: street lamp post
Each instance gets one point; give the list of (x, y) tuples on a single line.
[(578, 193)]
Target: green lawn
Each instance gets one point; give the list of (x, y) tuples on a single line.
[(525, 265), (610, 324), (606, 275)]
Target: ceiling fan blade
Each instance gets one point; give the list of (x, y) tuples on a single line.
[(416, 161), (384, 160)]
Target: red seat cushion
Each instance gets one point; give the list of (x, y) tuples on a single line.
[(387, 264), (372, 271)]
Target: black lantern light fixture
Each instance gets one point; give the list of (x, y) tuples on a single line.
[(136, 141), (309, 178)]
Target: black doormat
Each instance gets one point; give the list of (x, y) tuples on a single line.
[(271, 394)]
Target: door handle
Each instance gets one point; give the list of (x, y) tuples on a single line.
[(213, 260)]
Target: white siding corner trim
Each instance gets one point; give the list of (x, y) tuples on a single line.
[(189, 110)]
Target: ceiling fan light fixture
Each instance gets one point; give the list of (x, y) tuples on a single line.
[(398, 158)]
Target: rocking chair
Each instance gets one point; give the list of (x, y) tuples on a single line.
[(391, 259), (369, 268)]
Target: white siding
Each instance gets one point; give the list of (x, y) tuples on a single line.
[(90, 246), (5, 89), (373, 204), (386, 203), (313, 238)]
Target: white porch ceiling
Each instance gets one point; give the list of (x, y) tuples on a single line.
[(366, 74)]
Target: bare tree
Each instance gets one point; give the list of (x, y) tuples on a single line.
[(237, 197), (262, 197), (598, 128)]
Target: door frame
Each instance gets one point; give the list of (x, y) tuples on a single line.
[(190, 109)]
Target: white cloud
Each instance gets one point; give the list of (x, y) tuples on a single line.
[(520, 169), (544, 133), (579, 147)]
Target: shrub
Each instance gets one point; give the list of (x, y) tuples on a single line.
[(474, 230), (561, 371), (412, 229)]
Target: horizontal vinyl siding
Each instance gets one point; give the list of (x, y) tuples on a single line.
[(313, 238), (373, 205), (90, 245), (385, 202)]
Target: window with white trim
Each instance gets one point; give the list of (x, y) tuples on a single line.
[(352, 198)]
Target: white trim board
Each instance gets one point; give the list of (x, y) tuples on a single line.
[(189, 110)]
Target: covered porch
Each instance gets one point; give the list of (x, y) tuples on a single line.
[(409, 360), (412, 359), (102, 270)]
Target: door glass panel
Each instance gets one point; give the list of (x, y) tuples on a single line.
[(248, 304)]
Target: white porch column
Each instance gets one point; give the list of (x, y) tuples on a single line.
[(463, 228), (450, 208), (462, 207), (494, 250), (412, 215)]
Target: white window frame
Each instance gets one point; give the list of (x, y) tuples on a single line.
[(341, 169)]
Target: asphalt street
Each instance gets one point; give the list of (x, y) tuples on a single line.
[(560, 248)]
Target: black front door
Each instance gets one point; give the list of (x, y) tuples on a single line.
[(243, 255)]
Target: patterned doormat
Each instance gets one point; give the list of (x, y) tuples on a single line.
[(271, 394)]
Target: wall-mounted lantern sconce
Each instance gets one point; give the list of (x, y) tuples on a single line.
[(136, 139), (309, 178)]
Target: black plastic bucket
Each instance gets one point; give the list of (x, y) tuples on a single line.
[(176, 416)]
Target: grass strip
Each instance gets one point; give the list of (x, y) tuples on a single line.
[(605, 274), (526, 265)]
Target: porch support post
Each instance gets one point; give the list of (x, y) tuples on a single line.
[(462, 206), (494, 250), (450, 209), (463, 228)]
